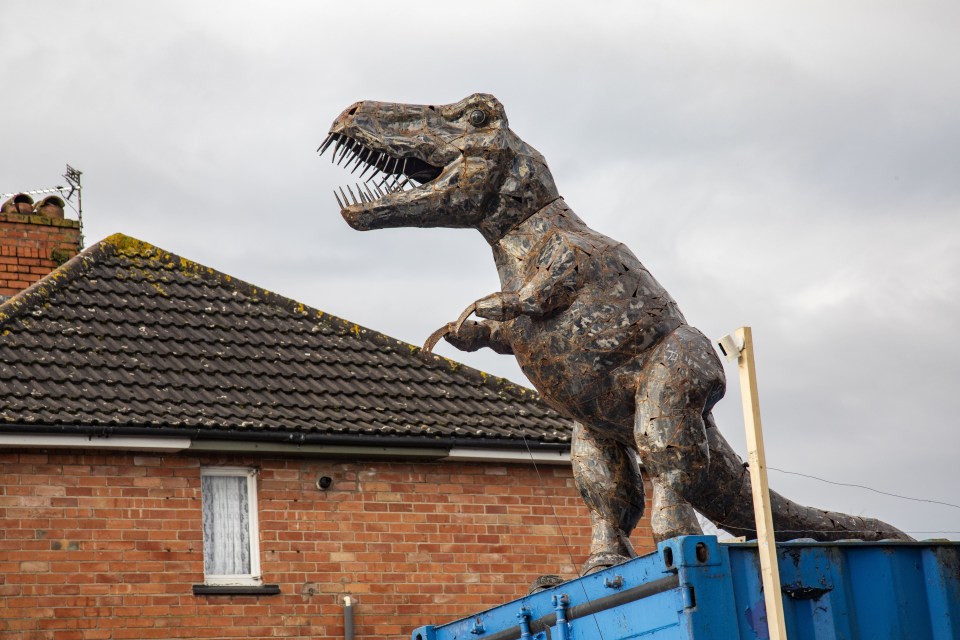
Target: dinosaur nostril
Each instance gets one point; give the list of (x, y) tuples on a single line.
[(352, 111)]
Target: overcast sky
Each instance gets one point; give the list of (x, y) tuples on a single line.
[(793, 166)]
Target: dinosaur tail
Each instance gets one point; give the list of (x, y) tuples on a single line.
[(728, 502)]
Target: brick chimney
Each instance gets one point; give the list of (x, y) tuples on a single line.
[(35, 239)]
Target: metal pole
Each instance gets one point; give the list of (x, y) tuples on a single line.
[(347, 618)]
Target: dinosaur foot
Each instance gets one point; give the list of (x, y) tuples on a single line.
[(544, 582), (601, 561)]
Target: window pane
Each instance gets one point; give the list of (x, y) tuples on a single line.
[(226, 525)]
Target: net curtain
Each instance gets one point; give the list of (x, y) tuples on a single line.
[(226, 525)]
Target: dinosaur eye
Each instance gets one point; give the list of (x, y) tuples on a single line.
[(478, 117)]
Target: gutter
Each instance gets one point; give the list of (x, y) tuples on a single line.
[(175, 439)]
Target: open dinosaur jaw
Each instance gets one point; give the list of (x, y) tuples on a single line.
[(394, 180)]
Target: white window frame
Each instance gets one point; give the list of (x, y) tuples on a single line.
[(244, 579)]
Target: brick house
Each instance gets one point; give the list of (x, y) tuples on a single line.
[(184, 455)]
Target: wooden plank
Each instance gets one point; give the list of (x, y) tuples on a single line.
[(769, 569)]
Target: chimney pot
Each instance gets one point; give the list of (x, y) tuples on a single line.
[(51, 207), (20, 203)]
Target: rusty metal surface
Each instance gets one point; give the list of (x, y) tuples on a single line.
[(592, 329)]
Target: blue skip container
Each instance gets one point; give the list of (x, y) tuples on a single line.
[(695, 588)]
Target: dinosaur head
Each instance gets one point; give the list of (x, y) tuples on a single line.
[(454, 165)]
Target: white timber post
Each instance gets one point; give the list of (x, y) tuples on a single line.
[(740, 346)]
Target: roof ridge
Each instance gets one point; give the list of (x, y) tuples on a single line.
[(37, 293), (120, 244)]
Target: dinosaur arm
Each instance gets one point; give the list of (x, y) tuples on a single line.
[(553, 287), (477, 335)]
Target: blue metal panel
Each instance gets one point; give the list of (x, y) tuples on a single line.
[(693, 588), (880, 591)]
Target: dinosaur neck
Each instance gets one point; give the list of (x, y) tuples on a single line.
[(512, 251), (496, 227)]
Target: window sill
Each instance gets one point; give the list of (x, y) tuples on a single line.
[(235, 590)]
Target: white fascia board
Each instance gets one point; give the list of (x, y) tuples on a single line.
[(463, 454), (51, 441), (456, 454), (315, 450), (132, 443)]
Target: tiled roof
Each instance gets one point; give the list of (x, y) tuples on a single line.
[(127, 335)]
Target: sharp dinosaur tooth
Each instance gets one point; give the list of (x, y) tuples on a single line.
[(352, 195), (369, 165), (359, 160), (376, 167), (376, 172), (335, 195), (403, 169), (326, 143), (345, 199), (343, 153), (333, 157), (379, 191), (372, 196)]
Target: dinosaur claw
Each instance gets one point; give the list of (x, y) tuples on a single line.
[(435, 337), (463, 317)]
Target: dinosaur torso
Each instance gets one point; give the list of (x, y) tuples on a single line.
[(607, 309)]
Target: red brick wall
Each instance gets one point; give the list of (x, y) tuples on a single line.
[(31, 246), (108, 545)]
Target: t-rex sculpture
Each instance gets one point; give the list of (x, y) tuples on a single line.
[(595, 333)]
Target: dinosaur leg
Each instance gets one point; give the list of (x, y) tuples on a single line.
[(608, 477), (689, 460), (678, 386)]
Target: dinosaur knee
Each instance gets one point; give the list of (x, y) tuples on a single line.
[(679, 383), (674, 448), (681, 467), (672, 442)]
